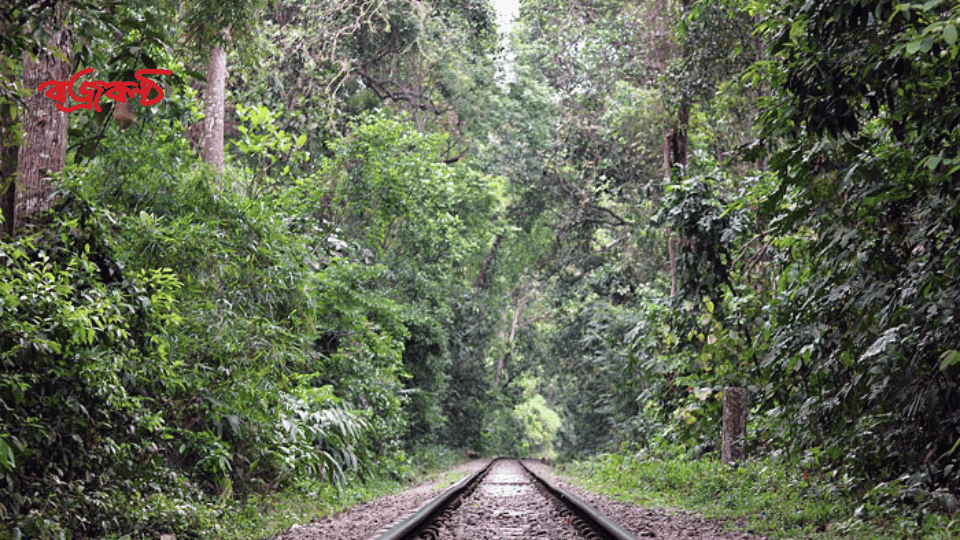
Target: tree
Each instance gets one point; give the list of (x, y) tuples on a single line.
[(44, 147), (12, 45), (40, 42), (865, 121), (390, 196), (214, 107), (644, 149), (9, 151), (213, 26), (325, 62)]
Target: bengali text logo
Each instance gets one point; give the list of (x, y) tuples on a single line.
[(89, 94)]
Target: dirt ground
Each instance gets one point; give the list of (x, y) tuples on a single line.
[(370, 520)]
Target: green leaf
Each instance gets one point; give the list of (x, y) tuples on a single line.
[(955, 445), (6, 456), (948, 359), (950, 34), (891, 335), (195, 74), (702, 393)]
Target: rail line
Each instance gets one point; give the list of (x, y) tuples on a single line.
[(505, 500)]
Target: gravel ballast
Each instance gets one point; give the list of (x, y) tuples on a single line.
[(513, 511)]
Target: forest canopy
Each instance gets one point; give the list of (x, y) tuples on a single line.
[(354, 233)]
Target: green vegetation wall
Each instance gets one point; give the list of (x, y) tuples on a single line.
[(419, 238)]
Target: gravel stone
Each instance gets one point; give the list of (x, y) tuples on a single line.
[(505, 506)]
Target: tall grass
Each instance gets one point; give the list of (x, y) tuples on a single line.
[(763, 496)]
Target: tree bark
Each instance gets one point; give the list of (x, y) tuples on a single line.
[(125, 114), (522, 299), (9, 148), (501, 362), (44, 148), (675, 153), (214, 108), (481, 281), (9, 133), (733, 445)]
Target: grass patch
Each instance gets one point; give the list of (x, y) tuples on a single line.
[(450, 478), (761, 496), (264, 516)]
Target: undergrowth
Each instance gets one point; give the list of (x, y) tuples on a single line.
[(766, 497), (264, 516)]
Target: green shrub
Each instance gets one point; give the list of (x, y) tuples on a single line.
[(774, 498), (82, 347)]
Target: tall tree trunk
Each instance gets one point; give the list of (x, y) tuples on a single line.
[(501, 362), (482, 280), (733, 440), (44, 148), (125, 114), (523, 296), (214, 108), (675, 153), (9, 148)]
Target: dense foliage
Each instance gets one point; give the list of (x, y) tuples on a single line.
[(807, 252), (866, 339), (566, 242)]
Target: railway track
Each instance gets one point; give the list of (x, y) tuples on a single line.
[(505, 500)]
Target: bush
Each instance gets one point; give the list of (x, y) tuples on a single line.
[(82, 345)]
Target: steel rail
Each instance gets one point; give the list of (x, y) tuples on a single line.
[(593, 518), (590, 517), (428, 512)]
